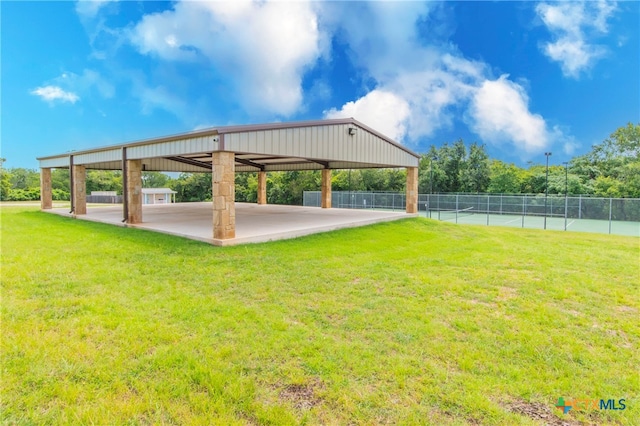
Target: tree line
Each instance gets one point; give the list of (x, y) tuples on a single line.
[(610, 169)]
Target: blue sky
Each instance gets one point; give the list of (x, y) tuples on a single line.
[(521, 77)]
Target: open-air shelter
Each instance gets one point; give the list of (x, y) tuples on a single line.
[(223, 151)]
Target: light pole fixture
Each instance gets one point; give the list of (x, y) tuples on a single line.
[(546, 189)]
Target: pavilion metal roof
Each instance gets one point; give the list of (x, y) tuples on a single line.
[(305, 145)]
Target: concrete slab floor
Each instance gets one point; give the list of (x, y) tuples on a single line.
[(254, 223)]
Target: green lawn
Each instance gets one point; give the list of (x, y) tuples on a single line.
[(408, 322)]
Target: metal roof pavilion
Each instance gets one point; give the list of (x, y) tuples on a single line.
[(305, 145), (223, 151)]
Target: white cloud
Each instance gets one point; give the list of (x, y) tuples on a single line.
[(85, 82), (90, 8), (499, 112), (264, 47), (422, 87), (55, 93), (571, 24), (379, 109)]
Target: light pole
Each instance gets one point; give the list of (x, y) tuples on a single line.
[(566, 192), (546, 189)]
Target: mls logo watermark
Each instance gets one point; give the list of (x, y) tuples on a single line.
[(587, 404)]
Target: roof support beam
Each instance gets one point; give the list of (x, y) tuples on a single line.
[(250, 163), (324, 164), (191, 162)]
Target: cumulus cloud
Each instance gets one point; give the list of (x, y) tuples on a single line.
[(55, 93), (382, 110), (571, 25), (499, 112), (421, 88), (264, 47)]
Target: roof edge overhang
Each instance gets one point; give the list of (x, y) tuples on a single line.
[(236, 129)]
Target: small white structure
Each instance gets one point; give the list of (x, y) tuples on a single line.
[(158, 196)]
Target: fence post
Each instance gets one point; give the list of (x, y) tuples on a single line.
[(524, 208), (610, 211), (500, 203), (580, 207), (488, 207)]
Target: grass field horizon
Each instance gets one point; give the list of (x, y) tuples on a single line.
[(407, 322)]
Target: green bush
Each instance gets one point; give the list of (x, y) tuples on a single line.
[(24, 194), (60, 195)]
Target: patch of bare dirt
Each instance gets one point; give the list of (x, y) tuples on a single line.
[(303, 397), (540, 412)]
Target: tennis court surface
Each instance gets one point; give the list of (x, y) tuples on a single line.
[(471, 217)]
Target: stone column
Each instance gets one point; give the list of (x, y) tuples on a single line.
[(223, 194), (79, 189), (412, 190), (326, 189), (134, 191), (46, 195), (262, 187)]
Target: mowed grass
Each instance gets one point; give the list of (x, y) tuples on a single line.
[(409, 322)]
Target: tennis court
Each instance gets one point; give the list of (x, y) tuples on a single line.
[(471, 217), (619, 216)]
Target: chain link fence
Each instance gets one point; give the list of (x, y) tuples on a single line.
[(574, 213)]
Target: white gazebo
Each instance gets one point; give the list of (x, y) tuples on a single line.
[(158, 196)]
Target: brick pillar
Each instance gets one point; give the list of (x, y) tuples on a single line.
[(79, 190), (412, 190), (262, 187), (46, 195), (134, 191), (326, 189), (223, 194)]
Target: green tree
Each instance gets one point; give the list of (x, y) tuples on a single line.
[(607, 186), (155, 180), (60, 184), (191, 187), (611, 167), (504, 178), (621, 146), (104, 180), (5, 181), (475, 175), (246, 187), (25, 179)]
